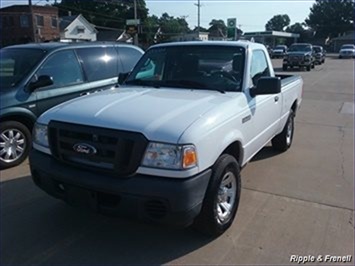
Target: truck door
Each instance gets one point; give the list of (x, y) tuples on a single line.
[(266, 109)]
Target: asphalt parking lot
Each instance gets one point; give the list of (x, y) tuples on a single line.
[(296, 203)]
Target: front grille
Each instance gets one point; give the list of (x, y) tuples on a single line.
[(115, 151)]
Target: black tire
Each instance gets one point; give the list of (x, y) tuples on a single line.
[(284, 67), (308, 68), (209, 221), (16, 143), (313, 65), (283, 141)]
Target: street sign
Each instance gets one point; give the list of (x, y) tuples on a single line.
[(231, 23), (133, 22)]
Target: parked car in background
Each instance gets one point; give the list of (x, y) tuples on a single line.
[(319, 54), (36, 77), (299, 55), (279, 51), (347, 51)]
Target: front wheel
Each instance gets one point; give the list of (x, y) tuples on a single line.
[(282, 142), (308, 68), (15, 143), (284, 67), (222, 197)]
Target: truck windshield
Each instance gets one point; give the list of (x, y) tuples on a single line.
[(317, 49), (206, 67), (15, 64), (300, 48)]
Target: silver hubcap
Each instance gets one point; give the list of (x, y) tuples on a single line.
[(289, 132), (12, 145), (226, 197)]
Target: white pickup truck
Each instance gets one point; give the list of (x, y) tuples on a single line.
[(169, 143)]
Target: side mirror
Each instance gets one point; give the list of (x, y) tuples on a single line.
[(266, 85), (122, 77), (42, 81)]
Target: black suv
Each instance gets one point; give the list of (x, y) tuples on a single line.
[(299, 55), (36, 77)]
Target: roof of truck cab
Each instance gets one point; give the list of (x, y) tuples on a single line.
[(50, 46), (244, 44)]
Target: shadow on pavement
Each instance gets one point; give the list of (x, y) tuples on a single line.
[(265, 153), (38, 229)]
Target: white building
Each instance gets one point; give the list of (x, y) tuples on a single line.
[(76, 29)]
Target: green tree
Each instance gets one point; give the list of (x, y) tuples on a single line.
[(171, 26), (218, 27), (331, 18), (112, 13), (278, 23)]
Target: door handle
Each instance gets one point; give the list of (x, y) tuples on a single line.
[(276, 99)]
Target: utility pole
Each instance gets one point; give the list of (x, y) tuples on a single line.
[(198, 16), (135, 17), (33, 21)]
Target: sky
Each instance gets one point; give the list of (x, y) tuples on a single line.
[(251, 15)]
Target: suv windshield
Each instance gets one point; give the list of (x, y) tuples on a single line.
[(300, 48), (15, 64), (192, 67)]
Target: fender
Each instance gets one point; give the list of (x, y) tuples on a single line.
[(18, 112)]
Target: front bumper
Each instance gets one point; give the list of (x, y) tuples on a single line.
[(299, 63), (155, 199)]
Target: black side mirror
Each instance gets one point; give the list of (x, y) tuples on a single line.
[(266, 85), (122, 77), (42, 81)]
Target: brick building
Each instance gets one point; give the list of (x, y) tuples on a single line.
[(16, 24)]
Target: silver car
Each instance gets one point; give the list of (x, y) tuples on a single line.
[(347, 51)]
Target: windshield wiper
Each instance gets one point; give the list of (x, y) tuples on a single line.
[(188, 84)]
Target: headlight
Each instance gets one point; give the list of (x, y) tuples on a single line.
[(170, 156), (40, 135)]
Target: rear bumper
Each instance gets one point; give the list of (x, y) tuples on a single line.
[(297, 63), (162, 200)]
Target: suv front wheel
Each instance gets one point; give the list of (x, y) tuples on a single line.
[(15, 142)]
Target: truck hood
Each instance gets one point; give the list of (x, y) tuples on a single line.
[(160, 114)]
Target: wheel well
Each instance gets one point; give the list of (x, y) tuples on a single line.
[(294, 107), (235, 149), (23, 120)]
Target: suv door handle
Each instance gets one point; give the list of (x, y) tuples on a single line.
[(276, 99)]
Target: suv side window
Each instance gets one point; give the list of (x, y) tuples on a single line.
[(259, 66), (129, 57), (99, 63), (63, 67)]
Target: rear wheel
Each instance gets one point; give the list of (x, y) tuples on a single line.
[(15, 143), (222, 197), (284, 67), (282, 142)]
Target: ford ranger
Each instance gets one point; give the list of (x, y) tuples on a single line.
[(168, 145)]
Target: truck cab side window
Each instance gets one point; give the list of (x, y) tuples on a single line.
[(259, 66), (63, 68)]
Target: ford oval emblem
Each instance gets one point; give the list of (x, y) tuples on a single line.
[(84, 148)]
